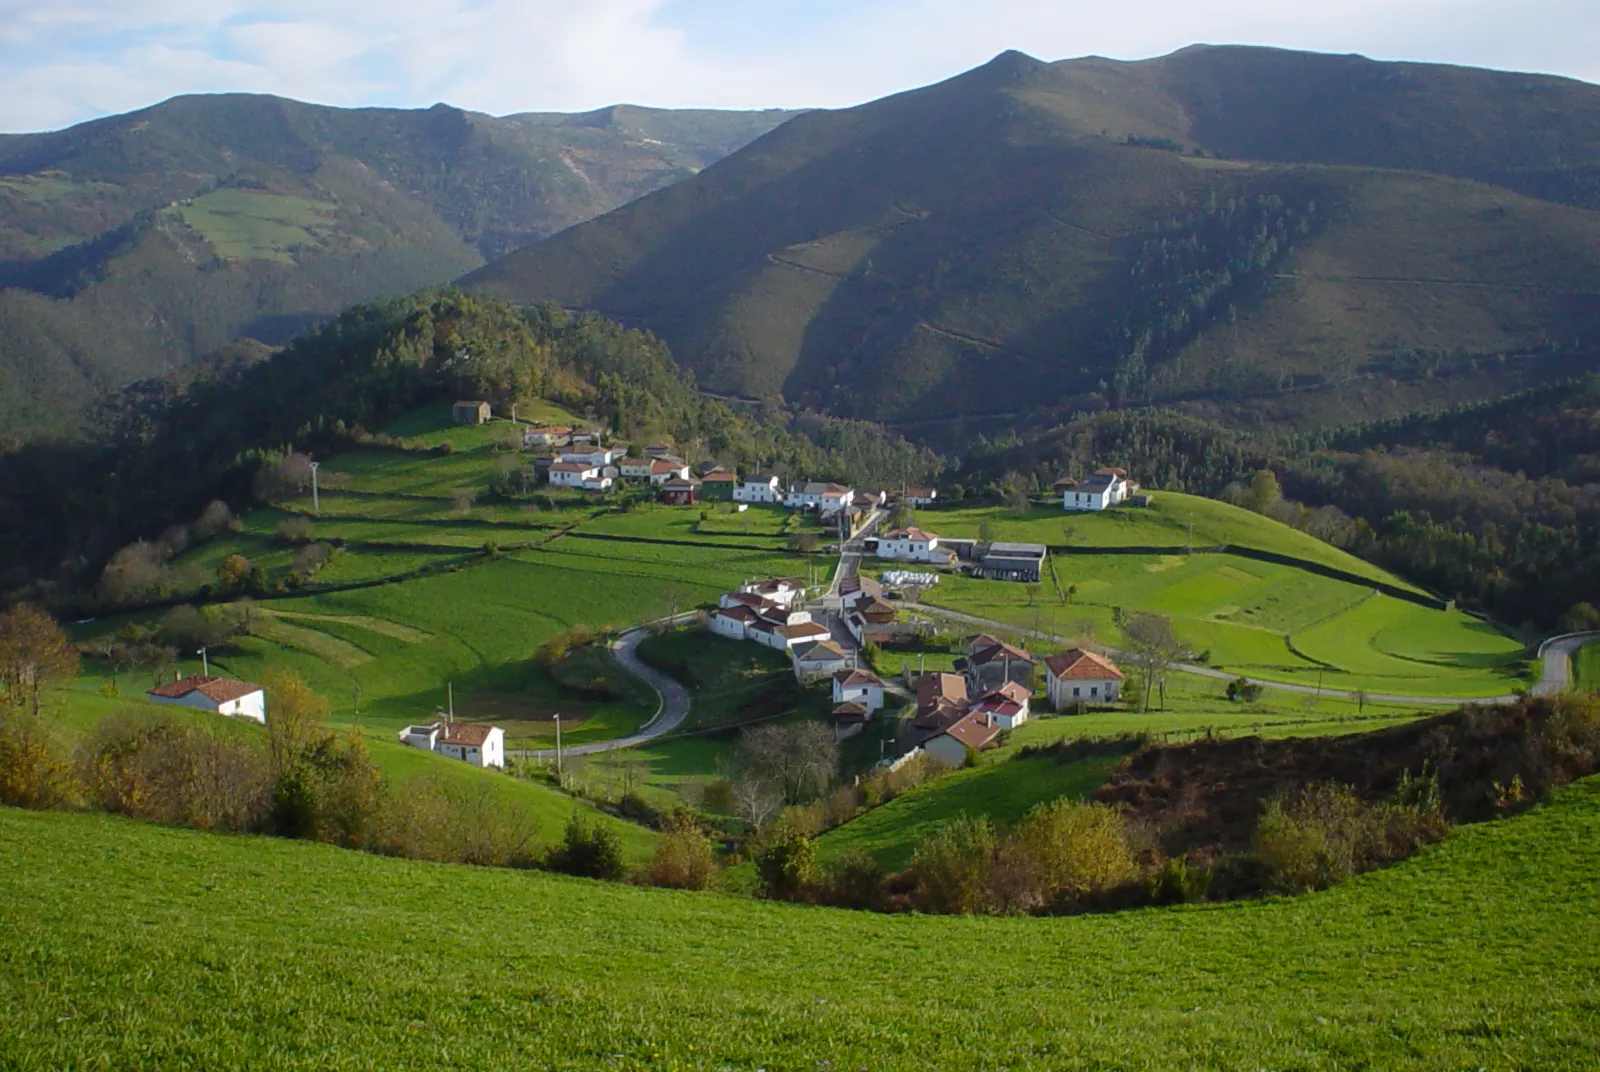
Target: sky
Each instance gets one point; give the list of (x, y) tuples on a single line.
[(64, 61)]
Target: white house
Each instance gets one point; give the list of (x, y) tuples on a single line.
[(635, 468), (818, 659), (766, 609), (758, 488), (784, 590), (1106, 488), (1009, 705), (912, 545), (481, 746), (219, 695), (545, 436), (786, 637), (582, 475), (665, 469), (733, 622), (1076, 676), (921, 496), (814, 495), (859, 687), (592, 455)]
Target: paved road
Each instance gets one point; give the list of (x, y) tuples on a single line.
[(1556, 675), (673, 709)]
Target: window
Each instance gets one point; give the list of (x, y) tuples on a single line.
[(1076, 691), (1094, 690)]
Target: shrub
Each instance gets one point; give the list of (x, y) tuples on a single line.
[(34, 773), (588, 850), (1175, 882), (951, 870), (1242, 690), (1324, 834), (294, 530), (173, 772), (684, 858), (1068, 852), (856, 881), (787, 867)]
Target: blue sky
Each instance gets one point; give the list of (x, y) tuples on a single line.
[(63, 61)]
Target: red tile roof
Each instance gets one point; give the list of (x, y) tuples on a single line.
[(856, 678), (1075, 664), (803, 630), (913, 533), (216, 689), (465, 733), (974, 731), (850, 710), (1000, 652), (931, 688), (572, 467), (823, 651), (719, 477), (738, 613)]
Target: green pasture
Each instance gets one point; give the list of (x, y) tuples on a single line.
[(1165, 523), (1477, 953), (1259, 620), (251, 225)]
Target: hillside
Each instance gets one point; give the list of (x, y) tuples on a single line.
[(1472, 955), (133, 244), (1310, 235)]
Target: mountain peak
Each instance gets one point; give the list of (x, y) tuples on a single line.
[(1013, 66)]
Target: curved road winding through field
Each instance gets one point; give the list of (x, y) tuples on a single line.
[(671, 712)]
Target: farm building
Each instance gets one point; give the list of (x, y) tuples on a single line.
[(481, 746), (679, 491), (1075, 676), (717, 486), (921, 496), (219, 695), (758, 488), (1010, 561), (470, 412)]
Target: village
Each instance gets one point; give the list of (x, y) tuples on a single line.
[(826, 631)]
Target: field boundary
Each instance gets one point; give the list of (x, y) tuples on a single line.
[(614, 538), (1432, 602)]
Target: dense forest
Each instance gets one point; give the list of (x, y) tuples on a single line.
[(1495, 505), (166, 448)]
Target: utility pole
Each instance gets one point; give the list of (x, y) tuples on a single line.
[(205, 663), (450, 699), (558, 748), (316, 496)]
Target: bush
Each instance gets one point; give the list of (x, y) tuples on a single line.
[(447, 821), (588, 850), (1324, 834), (1242, 690), (787, 867), (177, 773), (1175, 882), (684, 858), (1066, 853), (34, 773), (294, 530), (952, 869), (857, 881)]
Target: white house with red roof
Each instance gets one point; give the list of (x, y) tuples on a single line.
[(665, 469), (219, 695), (758, 488), (913, 545), (1076, 676), (1009, 705), (481, 746), (921, 496), (972, 730), (858, 687)]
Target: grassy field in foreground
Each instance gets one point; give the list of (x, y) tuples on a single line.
[(253, 953), (1586, 667)]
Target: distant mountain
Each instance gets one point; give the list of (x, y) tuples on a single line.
[(1256, 234), (134, 244)]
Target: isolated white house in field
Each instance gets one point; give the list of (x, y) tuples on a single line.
[(1107, 487), (481, 746), (1075, 676), (758, 488), (223, 696), (912, 545)]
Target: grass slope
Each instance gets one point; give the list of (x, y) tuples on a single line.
[(1474, 954)]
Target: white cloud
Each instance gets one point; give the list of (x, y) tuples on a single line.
[(68, 60)]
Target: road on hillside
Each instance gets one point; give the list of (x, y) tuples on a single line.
[(1556, 653), (851, 550), (673, 709)]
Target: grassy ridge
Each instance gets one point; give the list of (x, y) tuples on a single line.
[(1471, 955)]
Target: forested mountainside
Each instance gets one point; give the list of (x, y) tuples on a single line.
[(164, 448), (1496, 505), (134, 244), (1255, 234)]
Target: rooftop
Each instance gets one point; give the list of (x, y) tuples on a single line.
[(470, 734), (215, 689), (1079, 665)]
